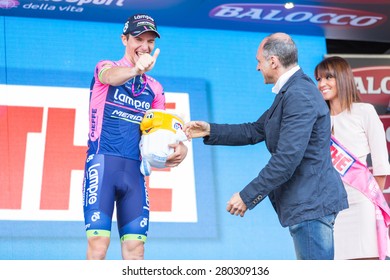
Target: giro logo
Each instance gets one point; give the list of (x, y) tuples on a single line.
[(300, 14), (373, 84), (9, 4), (88, 2), (177, 126), (43, 136)]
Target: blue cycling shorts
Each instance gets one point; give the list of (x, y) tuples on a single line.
[(111, 181)]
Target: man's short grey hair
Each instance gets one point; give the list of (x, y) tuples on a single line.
[(284, 48)]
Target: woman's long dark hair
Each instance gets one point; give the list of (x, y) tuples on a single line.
[(338, 68)]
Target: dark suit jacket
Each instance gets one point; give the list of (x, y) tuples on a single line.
[(299, 178)]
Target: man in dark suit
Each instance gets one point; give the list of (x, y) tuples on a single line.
[(299, 179)]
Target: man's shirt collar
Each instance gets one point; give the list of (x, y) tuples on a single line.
[(284, 78)]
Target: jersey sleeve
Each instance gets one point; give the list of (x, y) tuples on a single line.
[(102, 66)]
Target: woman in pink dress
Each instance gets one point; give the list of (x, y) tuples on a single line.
[(356, 125)]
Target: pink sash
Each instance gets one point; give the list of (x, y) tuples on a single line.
[(356, 174)]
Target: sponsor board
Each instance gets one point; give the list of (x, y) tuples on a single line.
[(346, 19), (300, 14), (373, 84), (43, 142)]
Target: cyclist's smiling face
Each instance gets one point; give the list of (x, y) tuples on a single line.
[(137, 46)]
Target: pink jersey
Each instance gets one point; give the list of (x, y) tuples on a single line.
[(115, 112)]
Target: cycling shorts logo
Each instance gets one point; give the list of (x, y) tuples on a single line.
[(144, 222), (93, 186), (90, 157), (95, 216)]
